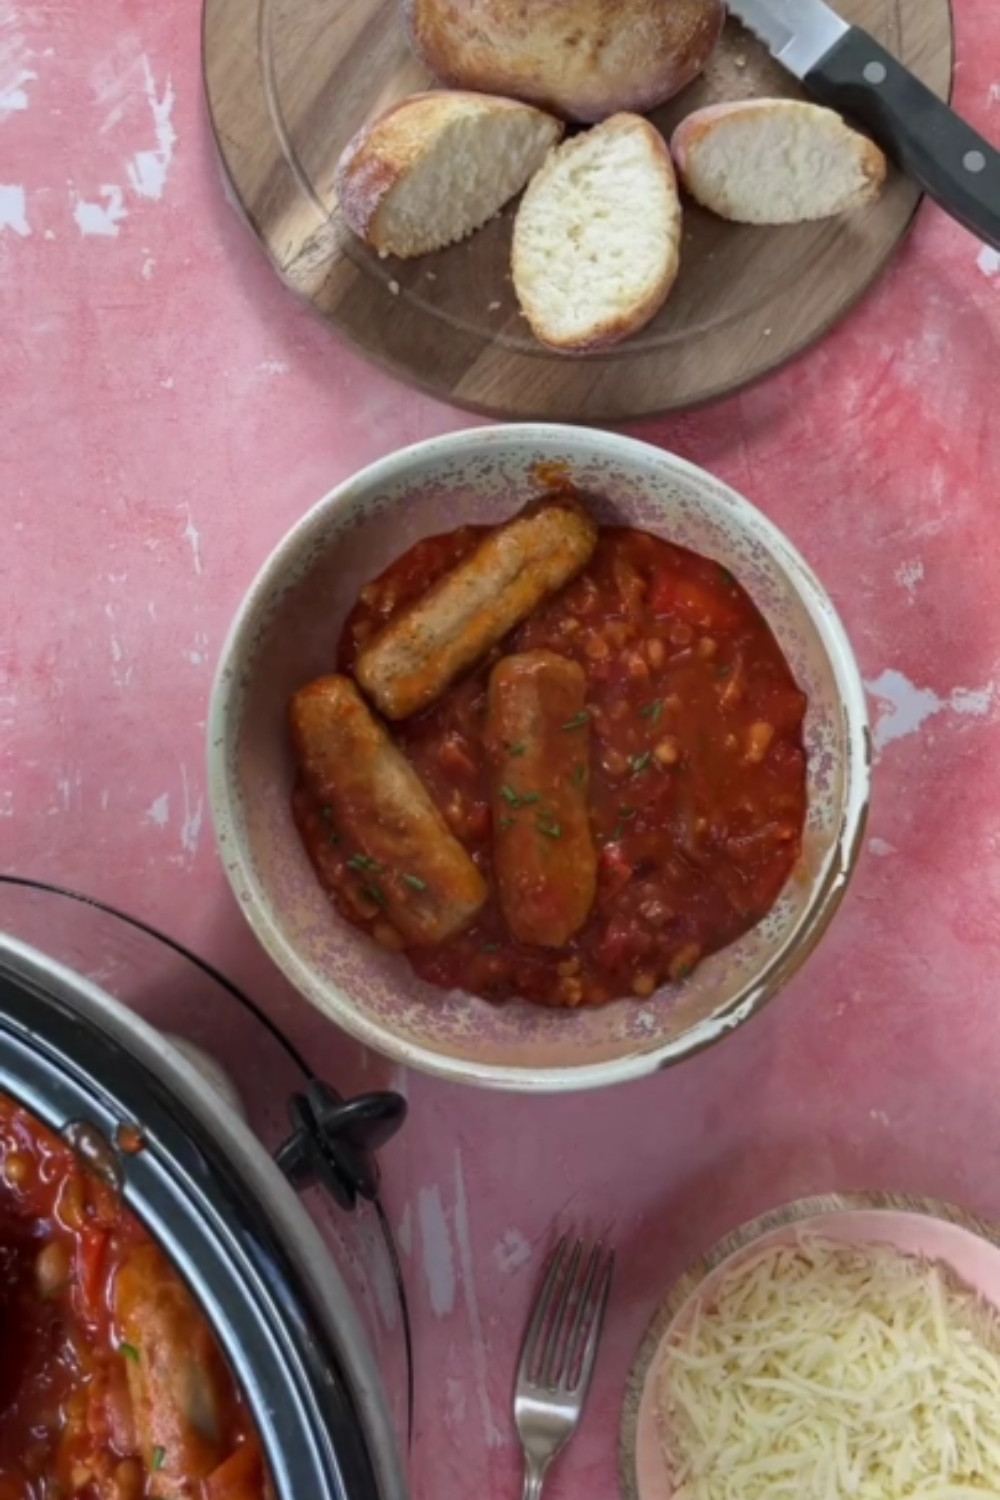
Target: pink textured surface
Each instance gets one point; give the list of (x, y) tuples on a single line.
[(167, 412)]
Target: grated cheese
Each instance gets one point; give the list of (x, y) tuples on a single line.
[(823, 1371)]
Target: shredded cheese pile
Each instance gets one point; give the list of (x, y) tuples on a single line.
[(825, 1372)]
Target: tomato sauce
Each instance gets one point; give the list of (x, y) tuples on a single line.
[(94, 1383), (697, 769)]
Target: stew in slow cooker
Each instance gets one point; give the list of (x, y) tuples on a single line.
[(112, 1386), (593, 773)]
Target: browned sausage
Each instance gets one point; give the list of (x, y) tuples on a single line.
[(538, 736), (179, 1385), (442, 635), (404, 855)]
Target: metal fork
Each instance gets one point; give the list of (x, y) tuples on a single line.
[(557, 1359)]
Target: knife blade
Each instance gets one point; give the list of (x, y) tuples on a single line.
[(846, 69)]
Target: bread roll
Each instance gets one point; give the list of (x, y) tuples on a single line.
[(436, 167), (597, 236), (776, 161), (584, 59)]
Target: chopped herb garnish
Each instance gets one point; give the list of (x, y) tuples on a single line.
[(640, 762), (652, 711), (159, 1459), (362, 862), (328, 814), (625, 815), (550, 830), (130, 1352), (509, 795), (491, 947), (415, 883), (530, 797), (683, 972), (517, 749), (507, 822), (578, 720), (333, 839), (579, 775), (375, 893), (726, 670)]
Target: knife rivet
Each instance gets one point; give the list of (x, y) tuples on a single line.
[(875, 72), (974, 161)]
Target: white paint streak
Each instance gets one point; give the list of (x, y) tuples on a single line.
[(102, 218), (909, 574), (511, 1251), (193, 536), (880, 848), (274, 367), (438, 1261), (404, 1233), (194, 810), (14, 210), (493, 1433), (455, 1392), (904, 708), (159, 812), (148, 170), (988, 261), (13, 95)]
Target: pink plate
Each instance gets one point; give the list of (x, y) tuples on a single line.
[(915, 1226)]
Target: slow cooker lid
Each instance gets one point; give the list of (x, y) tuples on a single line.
[(68, 1065)]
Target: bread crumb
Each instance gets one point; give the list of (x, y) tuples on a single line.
[(494, 307), (740, 61), (431, 275), (394, 288)]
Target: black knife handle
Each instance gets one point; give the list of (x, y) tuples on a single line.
[(926, 139)]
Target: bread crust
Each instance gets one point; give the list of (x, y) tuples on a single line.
[(583, 59)]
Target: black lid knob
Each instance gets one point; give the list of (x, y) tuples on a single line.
[(334, 1140)]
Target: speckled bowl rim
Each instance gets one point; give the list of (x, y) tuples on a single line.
[(224, 710), (889, 1211)]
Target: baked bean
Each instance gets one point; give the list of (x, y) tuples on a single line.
[(18, 1169), (707, 647), (644, 985), (759, 738), (597, 648), (656, 652), (668, 751)]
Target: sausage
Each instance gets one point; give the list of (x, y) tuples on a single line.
[(417, 655), (177, 1380), (538, 741), (400, 849)]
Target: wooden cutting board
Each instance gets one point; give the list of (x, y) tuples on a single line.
[(290, 81)]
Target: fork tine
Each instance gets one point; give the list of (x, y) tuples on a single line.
[(552, 1362), (598, 1305), (539, 1315), (581, 1318)]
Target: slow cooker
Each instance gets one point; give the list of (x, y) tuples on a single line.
[(222, 1198)]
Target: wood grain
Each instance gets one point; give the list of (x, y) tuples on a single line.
[(290, 81)]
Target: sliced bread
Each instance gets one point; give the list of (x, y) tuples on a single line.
[(776, 161), (436, 167), (597, 236)]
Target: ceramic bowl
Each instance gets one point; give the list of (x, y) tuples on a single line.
[(285, 633), (920, 1227)]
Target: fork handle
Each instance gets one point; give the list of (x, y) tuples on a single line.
[(534, 1479)]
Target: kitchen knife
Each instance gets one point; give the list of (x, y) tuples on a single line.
[(845, 68)]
